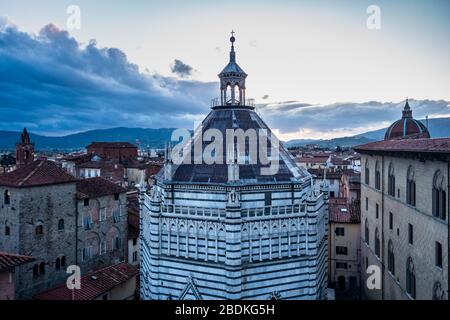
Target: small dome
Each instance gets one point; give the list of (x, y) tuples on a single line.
[(407, 127)]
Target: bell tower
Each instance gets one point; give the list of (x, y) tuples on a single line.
[(24, 149), (232, 81)]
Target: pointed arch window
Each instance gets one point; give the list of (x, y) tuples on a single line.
[(377, 176), (367, 173), (411, 187), (377, 243), (391, 181), (439, 196), (410, 278), (366, 232), (391, 258)]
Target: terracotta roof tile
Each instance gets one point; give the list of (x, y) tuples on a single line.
[(11, 260), (97, 187), (93, 284), (37, 173), (111, 145), (439, 145), (342, 212)]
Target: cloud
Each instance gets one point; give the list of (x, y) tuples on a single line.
[(52, 84), (181, 69), (295, 120)]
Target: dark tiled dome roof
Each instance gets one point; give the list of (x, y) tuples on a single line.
[(407, 127)]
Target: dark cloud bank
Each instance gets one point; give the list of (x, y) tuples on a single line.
[(52, 84)]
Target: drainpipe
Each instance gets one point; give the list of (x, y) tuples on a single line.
[(76, 231)]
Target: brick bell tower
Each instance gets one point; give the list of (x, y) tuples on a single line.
[(24, 149)]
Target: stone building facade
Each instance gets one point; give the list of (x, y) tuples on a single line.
[(226, 231), (38, 211), (404, 216), (42, 210), (102, 223)]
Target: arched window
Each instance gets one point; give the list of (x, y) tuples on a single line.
[(377, 243), (410, 278), (367, 173), (35, 270), (391, 181), (377, 176), (42, 268), (411, 187), (61, 224), (366, 231), (63, 261), (58, 264), (439, 196), (7, 197), (39, 230), (7, 231), (391, 258)]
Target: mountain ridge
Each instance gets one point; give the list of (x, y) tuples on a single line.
[(156, 138)]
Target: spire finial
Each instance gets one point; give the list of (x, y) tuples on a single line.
[(232, 53)]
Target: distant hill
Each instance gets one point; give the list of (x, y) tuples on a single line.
[(439, 128), (156, 138), (151, 138)]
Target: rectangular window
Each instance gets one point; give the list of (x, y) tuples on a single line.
[(391, 221), (103, 247), (341, 265), (116, 216), (86, 253), (339, 231), (86, 202), (367, 203), (134, 241), (116, 243), (410, 233), (87, 223), (376, 210), (102, 214), (116, 196), (438, 254), (331, 194), (341, 250), (135, 255)]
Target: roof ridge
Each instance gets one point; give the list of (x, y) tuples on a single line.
[(31, 173)]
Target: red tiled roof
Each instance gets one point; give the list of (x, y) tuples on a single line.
[(111, 145), (11, 260), (342, 212), (97, 187), (37, 173), (438, 145), (93, 284)]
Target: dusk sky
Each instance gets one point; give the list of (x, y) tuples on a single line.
[(155, 63)]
